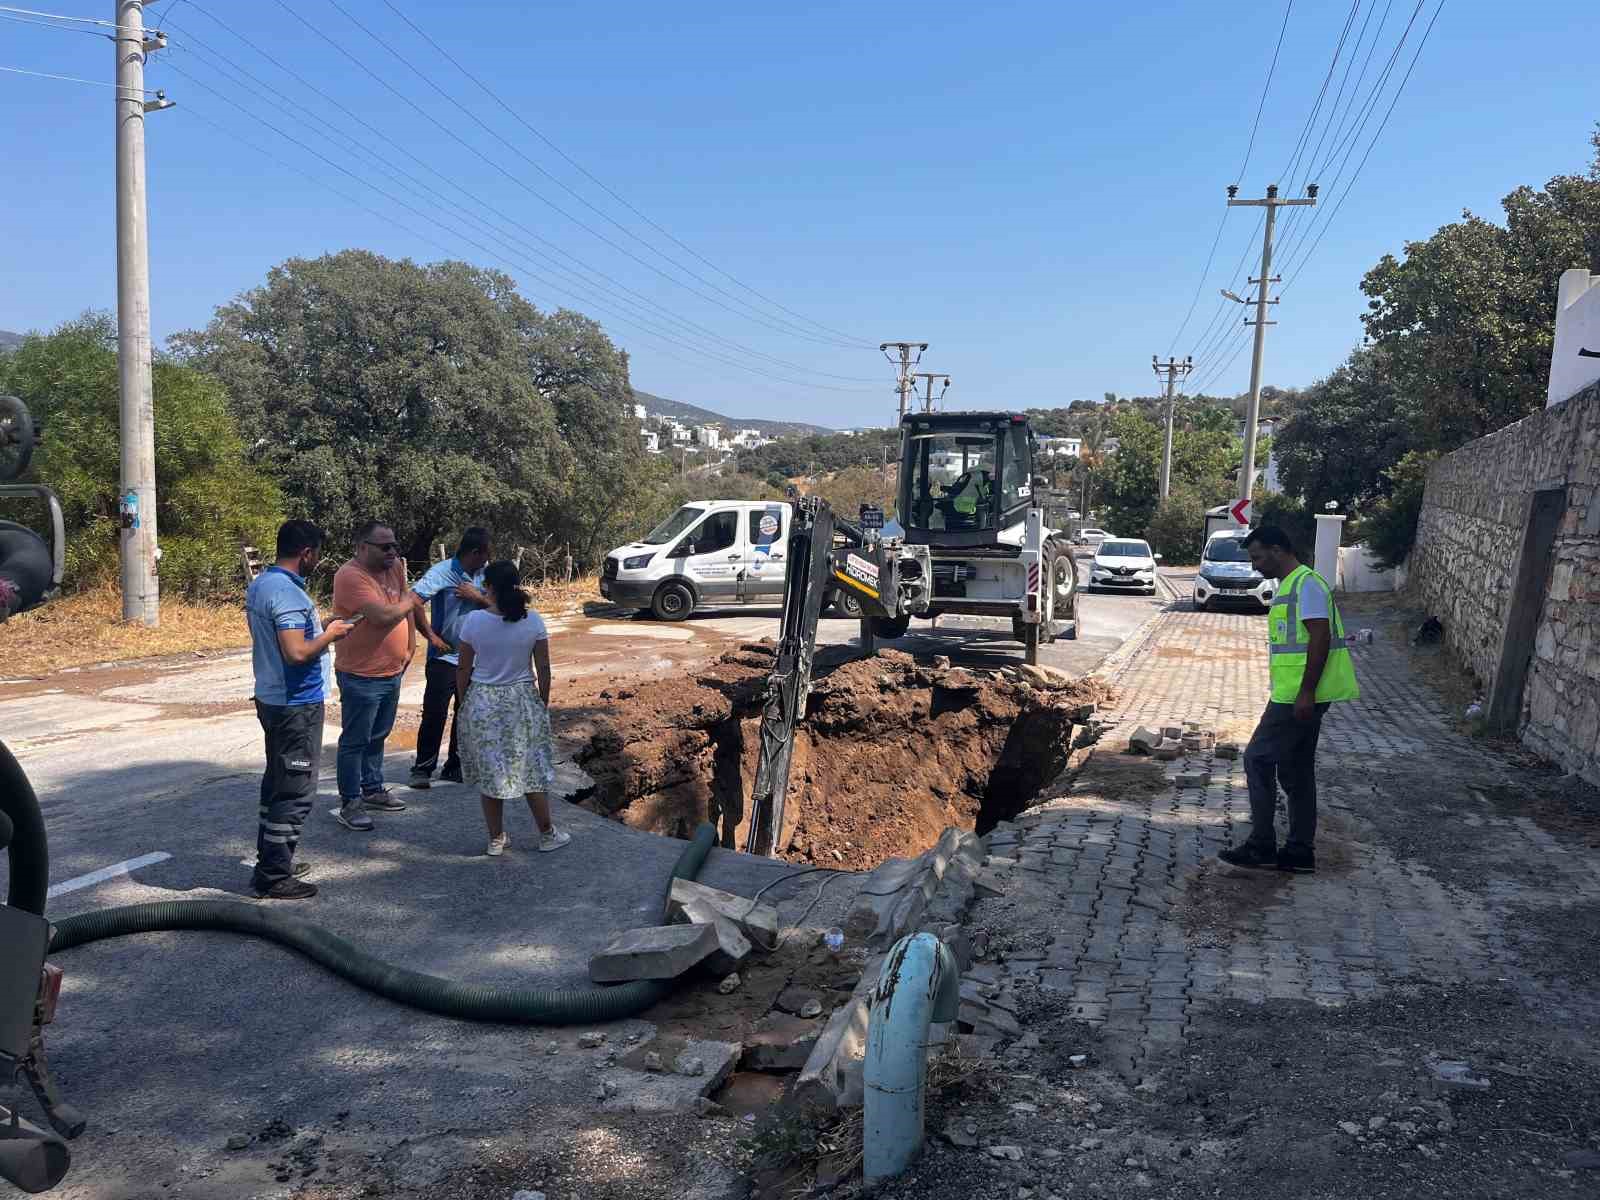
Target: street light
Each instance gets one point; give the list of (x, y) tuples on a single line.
[(1227, 295)]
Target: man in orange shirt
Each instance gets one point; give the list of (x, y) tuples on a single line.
[(371, 590)]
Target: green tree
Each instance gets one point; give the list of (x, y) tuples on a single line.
[(1202, 454), (209, 500), (1177, 527), (431, 396), (1344, 432), (1467, 317), (1390, 527)]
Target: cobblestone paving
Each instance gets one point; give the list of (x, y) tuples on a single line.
[(1147, 926)]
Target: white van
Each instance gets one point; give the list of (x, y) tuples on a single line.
[(1226, 576), (708, 554)]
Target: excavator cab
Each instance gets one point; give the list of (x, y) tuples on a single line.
[(31, 566), (965, 478)]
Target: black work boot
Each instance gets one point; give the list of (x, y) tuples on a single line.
[(1297, 858), (1250, 854)]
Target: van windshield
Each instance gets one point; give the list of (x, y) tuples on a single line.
[(1228, 549), (673, 525)]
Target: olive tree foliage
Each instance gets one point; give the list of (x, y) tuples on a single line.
[(209, 500), (429, 396)]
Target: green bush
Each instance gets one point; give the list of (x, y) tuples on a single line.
[(1177, 530), (1390, 528)]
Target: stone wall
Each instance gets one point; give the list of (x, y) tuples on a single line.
[(1467, 561)]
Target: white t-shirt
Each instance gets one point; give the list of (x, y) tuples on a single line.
[(1315, 602), (502, 650)]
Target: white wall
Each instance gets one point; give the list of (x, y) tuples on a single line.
[(1358, 572), (1577, 328)]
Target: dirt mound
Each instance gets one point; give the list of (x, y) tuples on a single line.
[(890, 753)]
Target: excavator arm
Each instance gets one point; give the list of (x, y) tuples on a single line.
[(824, 552)]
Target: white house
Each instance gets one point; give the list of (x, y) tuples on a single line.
[(652, 441), (709, 436), (639, 413), (1061, 447), (1575, 356)]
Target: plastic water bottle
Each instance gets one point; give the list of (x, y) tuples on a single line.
[(834, 939), (1474, 711)]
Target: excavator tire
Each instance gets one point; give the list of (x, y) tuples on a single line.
[(890, 627)]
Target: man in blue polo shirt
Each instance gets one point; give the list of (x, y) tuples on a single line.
[(289, 651), (452, 589)]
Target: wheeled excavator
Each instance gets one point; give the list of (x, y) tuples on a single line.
[(972, 539)]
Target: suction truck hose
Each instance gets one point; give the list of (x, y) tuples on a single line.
[(30, 870)]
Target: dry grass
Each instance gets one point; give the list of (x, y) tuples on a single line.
[(88, 628), (556, 599)]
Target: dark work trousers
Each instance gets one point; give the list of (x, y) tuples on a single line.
[(1283, 750), (438, 699), (288, 786)]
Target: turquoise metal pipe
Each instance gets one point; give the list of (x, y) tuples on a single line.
[(918, 984)]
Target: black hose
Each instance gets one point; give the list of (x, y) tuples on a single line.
[(25, 845), (472, 1002)]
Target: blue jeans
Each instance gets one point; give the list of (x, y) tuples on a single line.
[(367, 707)]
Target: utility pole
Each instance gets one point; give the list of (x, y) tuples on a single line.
[(927, 404), (1270, 202), (1172, 369), (141, 597), (905, 387)]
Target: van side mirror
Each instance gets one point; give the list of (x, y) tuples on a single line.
[(1158, 558)]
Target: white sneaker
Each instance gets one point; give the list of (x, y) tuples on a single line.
[(497, 845), (554, 840)]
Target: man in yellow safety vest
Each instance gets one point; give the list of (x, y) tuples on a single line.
[(1311, 668)]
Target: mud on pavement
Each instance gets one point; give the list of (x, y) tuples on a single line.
[(890, 752)]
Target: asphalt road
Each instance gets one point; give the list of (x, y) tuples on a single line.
[(173, 1043)]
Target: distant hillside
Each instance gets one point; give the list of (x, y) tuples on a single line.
[(9, 341), (701, 416)]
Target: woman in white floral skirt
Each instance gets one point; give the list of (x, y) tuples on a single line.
[(506, 746)]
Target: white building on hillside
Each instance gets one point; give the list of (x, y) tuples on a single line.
[(652, 441), (1061, 447), (709, 436)]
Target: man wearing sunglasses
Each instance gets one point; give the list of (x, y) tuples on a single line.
[(371, 590)]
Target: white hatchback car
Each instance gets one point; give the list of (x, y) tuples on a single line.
[(1124, 564)]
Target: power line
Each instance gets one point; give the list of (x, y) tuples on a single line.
[(516, 265), (1244, 166), (1272, 70), (581, 169), (29, 12), (1353, 139), (1300, 266), (746, 313), (59, 28), (70, 79), (345, 142)]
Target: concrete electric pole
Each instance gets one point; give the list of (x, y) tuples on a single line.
[(1172, 369), (1270, 202), (930, 376), (141, 598), (905, 387)]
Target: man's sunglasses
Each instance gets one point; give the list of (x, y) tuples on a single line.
[(395, 546)]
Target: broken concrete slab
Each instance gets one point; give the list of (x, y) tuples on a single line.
[(780, 1042), (1167, 751), (1143, 741), (732, 945), (1227, 750), (758, 921), (1454, 1076), (659, 952), (990, 883), (1191, 779), (639, 1090), (897, 894), (1172, 732), (834, 1073)]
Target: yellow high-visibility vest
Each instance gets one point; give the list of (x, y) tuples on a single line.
[(1288, 643)]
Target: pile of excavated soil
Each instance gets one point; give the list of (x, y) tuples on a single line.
[(889, 754)]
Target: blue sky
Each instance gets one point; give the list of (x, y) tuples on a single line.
[(1032, 188)]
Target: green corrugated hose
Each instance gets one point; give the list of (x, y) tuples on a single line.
[(468, 1002)]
